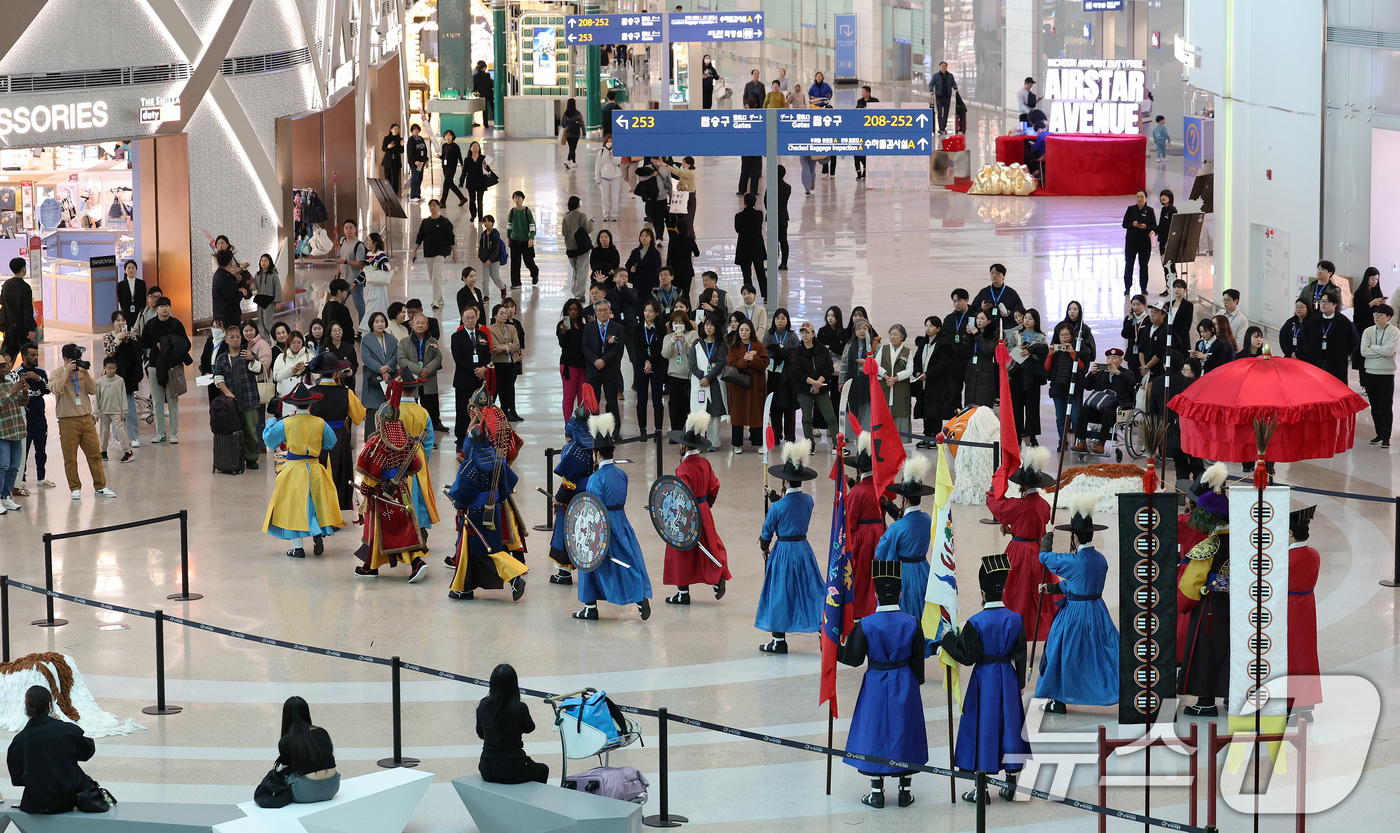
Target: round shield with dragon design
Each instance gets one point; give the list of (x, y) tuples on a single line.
[(586, 532), (674, 512)]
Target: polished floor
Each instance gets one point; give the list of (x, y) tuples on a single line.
[(898, 253)]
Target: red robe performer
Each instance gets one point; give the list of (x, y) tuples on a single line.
[(1304, 563), (706, 563), (1187, 537), (387, 463), (865, 523), (1026, 518)]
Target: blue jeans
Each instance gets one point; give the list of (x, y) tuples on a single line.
[(415, 182), (1061, 406), (357, 294), (10, 451)]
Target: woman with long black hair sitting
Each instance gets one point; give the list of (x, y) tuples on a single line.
[(307, 754), (501, 721)]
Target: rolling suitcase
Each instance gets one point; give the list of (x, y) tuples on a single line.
[(228, 453)]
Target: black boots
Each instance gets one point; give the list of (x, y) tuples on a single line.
[(876, 797)]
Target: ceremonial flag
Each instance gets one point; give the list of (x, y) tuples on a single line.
[(886, 446), (941, 598), (1010, 440), (840, 588)]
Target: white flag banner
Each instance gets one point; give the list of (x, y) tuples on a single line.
[(1259, 599)]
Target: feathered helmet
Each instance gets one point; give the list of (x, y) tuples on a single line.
[(910, 481), (697, 426), (389, 411), (602, 426), (485, 396), (1212, 506), (587, 405), (992, 576), (1081, 515), (1031, 474), (791, 469), (861, 459)]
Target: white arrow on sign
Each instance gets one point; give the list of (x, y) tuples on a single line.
[(923, 119), (923, 143), (622, 122), (758, 18), (573, 38), (572, 23), (847, 29)]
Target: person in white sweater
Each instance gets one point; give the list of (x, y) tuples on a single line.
[(1378, 344), (289, 367)]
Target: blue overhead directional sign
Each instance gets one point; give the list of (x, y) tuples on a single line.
[(854, 132), (598, 29), (689, 27), (689, 132)]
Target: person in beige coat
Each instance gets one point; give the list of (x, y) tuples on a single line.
[(73, 388), (420, 355)]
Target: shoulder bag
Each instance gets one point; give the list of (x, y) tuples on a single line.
[(734, 376), (274, 791), (94, 799)]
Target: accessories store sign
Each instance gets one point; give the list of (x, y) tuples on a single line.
[(78, 115), (1095, 96)]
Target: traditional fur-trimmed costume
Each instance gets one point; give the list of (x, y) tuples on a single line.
[(793, 590), (1026, 517), (387, 465), (907, 539), (481, 494), (303, 497), (697, 565)]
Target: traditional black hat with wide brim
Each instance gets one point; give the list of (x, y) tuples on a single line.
[(301, 395), (911, 489), (792, 474)]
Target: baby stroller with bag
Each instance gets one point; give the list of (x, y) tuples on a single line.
[(590, 724)]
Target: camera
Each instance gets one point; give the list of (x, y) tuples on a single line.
[(74, 353)]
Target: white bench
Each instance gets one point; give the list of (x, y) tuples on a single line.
[(381, 802), (128, 817), (544, 808)]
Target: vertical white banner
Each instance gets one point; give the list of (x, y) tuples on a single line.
[(1258, 599)]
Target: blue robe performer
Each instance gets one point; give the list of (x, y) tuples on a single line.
[(481, 494), (888, 721), (993, 642), (622, 577), (907, 539), (1080, 665), (574, 466), (793, 590)]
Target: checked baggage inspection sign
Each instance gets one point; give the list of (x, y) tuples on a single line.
[(854, 132), (690, 132)]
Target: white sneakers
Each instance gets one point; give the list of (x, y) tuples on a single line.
[(10, 506), (135, 443), (77, 494)]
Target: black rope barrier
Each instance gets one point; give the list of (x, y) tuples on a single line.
[(81, 533), (548, 491), (1394, 580), (399, 760)]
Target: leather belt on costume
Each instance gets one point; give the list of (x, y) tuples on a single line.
[(291, 456), (792, 538), (992, 660), (1302, 593), (869, 521), (876, 665), (912, 560), (1075, 597), (1025, 540), (617, 508)]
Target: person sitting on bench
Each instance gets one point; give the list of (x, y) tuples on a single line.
[(44, 757), (307, 753), (501, 720)]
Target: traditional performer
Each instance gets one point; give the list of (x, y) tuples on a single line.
[(1187, 536), (340, 408), (993, 641), (793, 591), (1025, 518), (888, 721), (707, 562), (865, 523), (419, 425), (481, 494), (1205, 667), (303, 498), (1304, 562), (387, 464), (907, 539), (574, 466), (621, 578), (1080, 664)]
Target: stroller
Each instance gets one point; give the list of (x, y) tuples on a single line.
[(589, 724), (144, 411)]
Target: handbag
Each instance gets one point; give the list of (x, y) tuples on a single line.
[(94, 799), (680, 202), (734, 376), (490, 177), (176, 385), (266, 390), (273, 791)]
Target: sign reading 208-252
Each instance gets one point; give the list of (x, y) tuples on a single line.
[(854, 132)]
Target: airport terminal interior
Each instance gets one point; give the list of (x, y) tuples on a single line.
[(267, 121)]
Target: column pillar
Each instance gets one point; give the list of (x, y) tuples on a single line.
[(498, 21), (593, 87), (454, 67)]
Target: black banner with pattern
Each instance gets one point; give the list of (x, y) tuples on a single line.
[(1147, 557)]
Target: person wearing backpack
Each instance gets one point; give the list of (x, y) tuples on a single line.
[(520, 231), (492, 253), (577, 231), (502, 719), (572, 126)]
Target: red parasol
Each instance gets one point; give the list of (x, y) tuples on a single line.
[(1316, 412)]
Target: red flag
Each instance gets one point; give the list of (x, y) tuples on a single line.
[(1010, 441), (886, 446)]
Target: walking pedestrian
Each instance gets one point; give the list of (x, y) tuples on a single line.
[(392, 148), (607, 173), (941, 86), (438, 239), (451, 156), (520, 232), (417, 150), (576, 229), (572, 126), (477, 175), (750, 250), (491, 254)]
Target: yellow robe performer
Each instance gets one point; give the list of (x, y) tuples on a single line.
[(303, 498)]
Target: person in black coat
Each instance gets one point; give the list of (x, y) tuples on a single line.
[(392, 148), (1211, 351), (1181, 313), (1164, 227), (998, 299), (228, 295), (1133, 324), (784, 194), (485, 88), (649, 366), (417, 151), (604, 342), (1108, 385), (643, 268), (502, 718), (131, 293), (451, 155), (471, 353), (1292, 335), (954, 332), (44, 757), (983, 378), (604, 258), (931, 383), (17, 309), (1139, 221), (1331, 339), (335, 312), (750, 252)]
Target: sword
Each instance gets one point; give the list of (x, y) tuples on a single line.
[(708, 554)]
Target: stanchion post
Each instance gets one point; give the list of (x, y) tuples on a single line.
[(548, 525), (659, 436), (397, 718), (664, 819), (161, 708), (980, 792), (5, 618), (1103, 775), (1394, 580), (996, 455), (184, 595), (48, 621)]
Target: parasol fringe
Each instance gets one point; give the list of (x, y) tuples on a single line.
[(1342, 408)]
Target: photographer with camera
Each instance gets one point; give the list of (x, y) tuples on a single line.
[(73, 387)]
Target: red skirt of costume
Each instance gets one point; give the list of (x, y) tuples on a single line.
[(1027, 518), (1304, 563), (686, 567), (392, 532), (1186, 538), (865, 523)]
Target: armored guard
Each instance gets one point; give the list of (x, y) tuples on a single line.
[(1205, 664), (387, 464), (1026, 518), (419, 426), (707, 562), (481, 494), (574, 466), (303, 499), (793, 590), (888, 720), (907, 539), (621, 578)]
